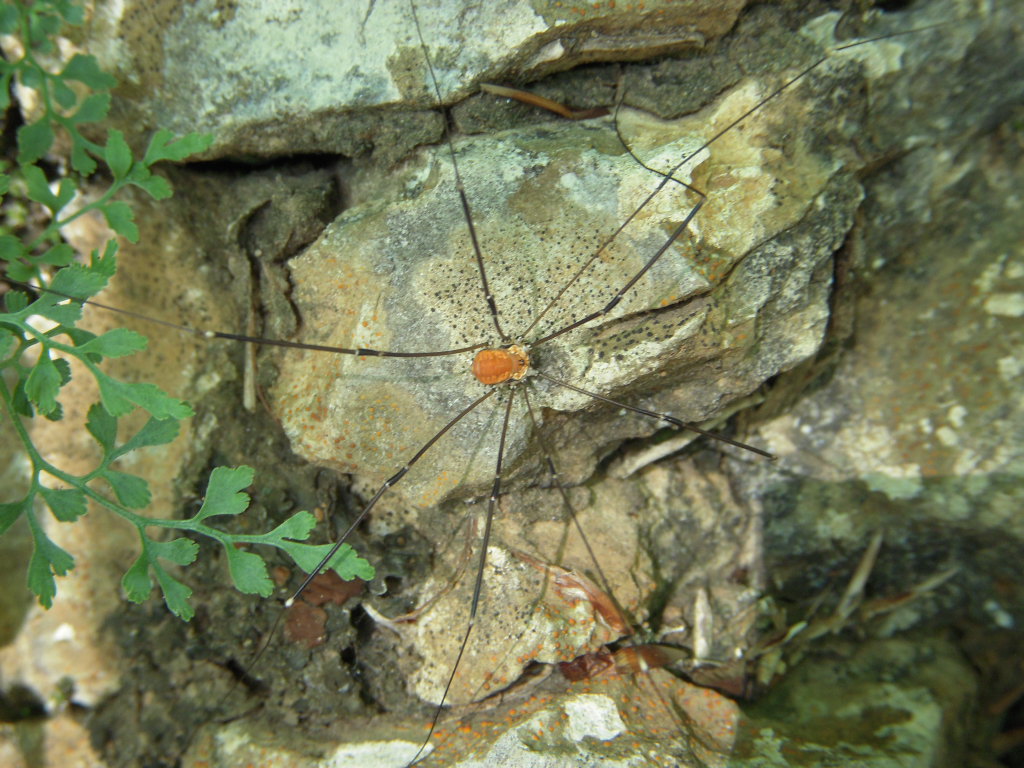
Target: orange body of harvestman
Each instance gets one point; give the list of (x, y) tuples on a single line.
[(494, 366)]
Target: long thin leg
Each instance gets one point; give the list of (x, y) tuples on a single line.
[(655, 415), (632, 281), (669, 176), (478, 586), (206, 334), (391, 481), (466, 212), (566, 503)]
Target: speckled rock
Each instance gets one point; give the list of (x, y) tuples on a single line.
[(360, 82)]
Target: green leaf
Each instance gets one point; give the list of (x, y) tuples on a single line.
[(21, 403), (119, 342), (136, 582), (55, 305), (16, 301), (349, 566), (38, 187), (102, 426), (131, 490), (57, 414), (11, 248), (223, 492), (5, 180), (80, 282), (93, 110), (32, 77), (163, 146), (8, 19), (120, 397), (81, 160), (139, 172), (62, 311), (63, 94), (105, 264), (21, 271), (59, 255), (85, 69), (6, 342), (155, 432), (297, 527), (44, 29), (249, 572), (34, 141), (43, 384), (118, 154), (180, 551), (65, 193), (176, 594), (157, 186), (47, 560), (67, 505), (77, 335), (63, 369), (121, 219), (5, 88), (73, 14), (345, 562), (10, 512)]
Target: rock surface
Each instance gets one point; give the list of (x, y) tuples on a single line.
[(859, 246)]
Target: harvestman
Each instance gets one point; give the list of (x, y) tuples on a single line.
[(489, 359), (508, 361)]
